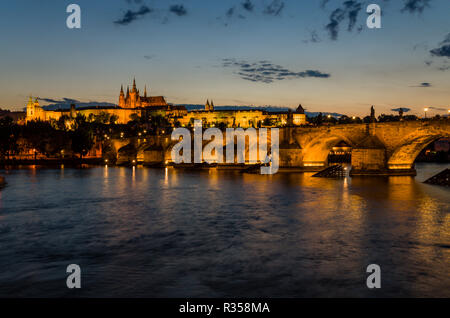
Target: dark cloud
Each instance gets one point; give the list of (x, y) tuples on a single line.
[(149, 57), (349, 11), (274, 8), (438, 108), (404, 109), (131, 16), (248, 5), (423, 85), (413, 6), (65, 103), (178, 9), (443, 51), (446, 40), (267, 72)]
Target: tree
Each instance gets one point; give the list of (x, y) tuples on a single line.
[(8, 137), (113, 119), (82, 141)]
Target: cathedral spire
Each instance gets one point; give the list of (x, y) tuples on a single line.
[(121, 89), (145, 91), (134, 85)]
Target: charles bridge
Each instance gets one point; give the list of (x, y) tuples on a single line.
[(388, 148)]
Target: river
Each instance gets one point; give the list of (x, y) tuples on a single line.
[(141, 232)]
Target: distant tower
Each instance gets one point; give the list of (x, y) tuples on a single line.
[(145, 91), (34, 111), (31, 112), (207, 105), (300, 109), (127, 98), (133, 95), (372, 114), (211, 107), (121, 97), (73, 111)]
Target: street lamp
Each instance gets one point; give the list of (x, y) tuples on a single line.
[(425, 110)]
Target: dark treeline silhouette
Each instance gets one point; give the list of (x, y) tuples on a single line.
[(70, 137)]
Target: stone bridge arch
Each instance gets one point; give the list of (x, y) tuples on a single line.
[(316, 143), (405, 155)]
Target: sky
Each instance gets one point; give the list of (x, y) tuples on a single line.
[(237, 52)]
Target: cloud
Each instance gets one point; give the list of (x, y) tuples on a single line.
[(438, 108), (413, 6), (443, 51), (149, 57), (274, 8), (65, 103), (324, 3), (349, 11), (178, 9), (423, 85), (131, 16), (267, 72), (248, 5), (230, 12), (404, 109), (313, 37)]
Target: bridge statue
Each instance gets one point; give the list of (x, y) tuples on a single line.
[(372, 114)]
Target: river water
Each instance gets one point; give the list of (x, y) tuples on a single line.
[(138, 232)]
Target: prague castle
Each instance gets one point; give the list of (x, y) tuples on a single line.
[(132, 103), (128, 105), (134, 100)]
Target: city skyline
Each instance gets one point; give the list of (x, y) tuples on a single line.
[(277, 53)]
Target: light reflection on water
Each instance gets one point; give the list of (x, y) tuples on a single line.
[(174, 233)]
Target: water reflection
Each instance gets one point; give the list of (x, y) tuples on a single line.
[(175, 233)]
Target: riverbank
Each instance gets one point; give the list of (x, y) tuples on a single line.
[(51, 162)]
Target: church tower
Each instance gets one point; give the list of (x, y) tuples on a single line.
[(121, 98), (207, 105), (34, 111), (127, 98), (211, 107), (133, 95), (31, 112)]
